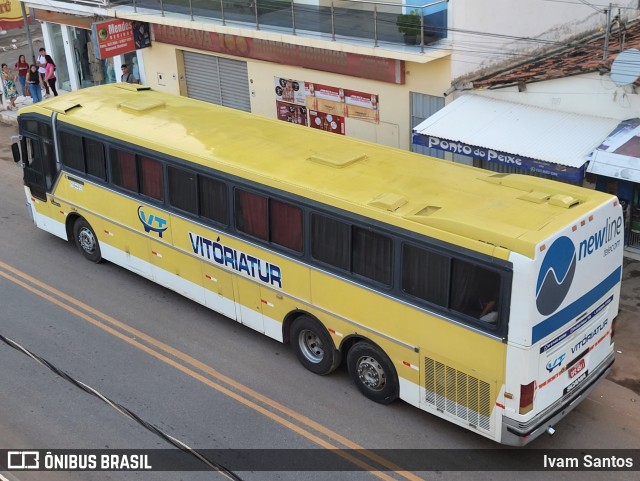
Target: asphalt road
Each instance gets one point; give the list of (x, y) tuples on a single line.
[(202, 378)]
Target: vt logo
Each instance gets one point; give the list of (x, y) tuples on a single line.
[(152, 222)]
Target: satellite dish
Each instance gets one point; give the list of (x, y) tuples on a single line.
[(626, 67)]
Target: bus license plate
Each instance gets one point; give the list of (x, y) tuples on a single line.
[(575, 382), (574, 370)]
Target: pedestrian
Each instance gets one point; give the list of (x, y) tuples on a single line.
[(126, 75), (22, 67), (33, 81), (135, 70), (42, 64), (50, 74), (9, 84)]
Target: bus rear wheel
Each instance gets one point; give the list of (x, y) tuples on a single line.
[(313, 346), (373, 373), (86, 240)]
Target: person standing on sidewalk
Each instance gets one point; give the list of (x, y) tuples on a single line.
[(50, 74), (22, 67), (33, 81), (42, 63), (9, 84)]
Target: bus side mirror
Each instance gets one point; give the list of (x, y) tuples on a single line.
[(15, 149), (17, 154)]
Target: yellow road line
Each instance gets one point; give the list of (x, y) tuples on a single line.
[(208, 370)]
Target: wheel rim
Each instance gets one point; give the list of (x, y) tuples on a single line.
[(87, 240), (311, 346), (371, 373)]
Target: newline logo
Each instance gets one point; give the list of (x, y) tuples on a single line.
[(612, 228)]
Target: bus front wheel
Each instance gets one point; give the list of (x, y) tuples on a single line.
[(313, 346), (373, 373), (86, 240)]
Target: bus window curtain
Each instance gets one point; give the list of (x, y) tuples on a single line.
[(372, 255), (251, 216), (124, 169), (285, 225), (151, 182)]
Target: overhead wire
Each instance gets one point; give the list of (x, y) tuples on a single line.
[(123, 410)]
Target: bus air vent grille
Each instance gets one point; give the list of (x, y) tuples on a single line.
[(458, 394)]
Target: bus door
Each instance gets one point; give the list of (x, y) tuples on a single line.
[(41, 170), (38, 155)]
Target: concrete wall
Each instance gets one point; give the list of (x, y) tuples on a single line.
[(162, 67), (544, 22), (589, 94)]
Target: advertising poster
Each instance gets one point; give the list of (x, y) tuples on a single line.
[(288, 90), (11, 15), (296, 114), (326, 106), (117, 37), (343, 102), (326, 122), (361, 99)]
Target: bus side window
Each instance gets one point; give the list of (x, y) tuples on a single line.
[(425, 275), (213, 199), (95, 159), (123, 170), (183, 192), (330, 241), (251, 214), (72, 151), (285, 225), (475, 291), (372, 255), (151, 178)]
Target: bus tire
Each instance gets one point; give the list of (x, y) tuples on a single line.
[(373, 373), (313, 346), (86, 240)]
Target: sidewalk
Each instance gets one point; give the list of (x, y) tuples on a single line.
[(626, 370), (13, 44)]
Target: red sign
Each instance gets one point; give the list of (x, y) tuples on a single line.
[(363, 66), (291, 113), (115, 37), (327, 122), (574, 370)]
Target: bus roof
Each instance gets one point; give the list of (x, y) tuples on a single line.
[(482, 210)]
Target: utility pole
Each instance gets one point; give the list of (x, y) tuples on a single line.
[(606, 35), (26, 26)]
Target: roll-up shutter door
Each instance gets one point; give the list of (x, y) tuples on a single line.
[(217, 80)]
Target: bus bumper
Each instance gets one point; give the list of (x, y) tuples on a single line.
[(516, 433)]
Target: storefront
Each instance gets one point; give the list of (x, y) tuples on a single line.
[(508, 137), (616, 165), (71, 42), (356, 93)]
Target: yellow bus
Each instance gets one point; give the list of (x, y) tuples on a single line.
[(485, 299)]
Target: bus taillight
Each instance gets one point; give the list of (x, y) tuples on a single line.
[(526, 397)]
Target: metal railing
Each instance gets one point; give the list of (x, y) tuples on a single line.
[(379, 22)]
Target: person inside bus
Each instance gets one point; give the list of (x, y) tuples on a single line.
[(489, 311)]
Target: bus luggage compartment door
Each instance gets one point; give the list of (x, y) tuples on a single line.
[(248, 303)]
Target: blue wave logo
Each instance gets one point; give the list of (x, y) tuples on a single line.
[(556, 275), (152, 223)]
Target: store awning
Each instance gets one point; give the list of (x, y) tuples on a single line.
[(619, 155), (515, 134)]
